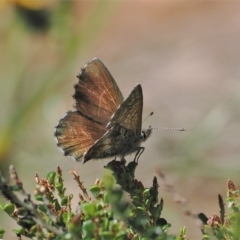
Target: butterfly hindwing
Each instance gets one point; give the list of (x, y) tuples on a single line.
[(76, 134)]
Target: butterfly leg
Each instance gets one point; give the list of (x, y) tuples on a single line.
[(139, 152)]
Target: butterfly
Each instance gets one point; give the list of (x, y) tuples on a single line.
[(103, 124)]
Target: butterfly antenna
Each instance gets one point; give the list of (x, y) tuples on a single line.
[(166, 128), (147, 117)]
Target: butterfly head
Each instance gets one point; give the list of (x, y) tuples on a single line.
[(146, 133)]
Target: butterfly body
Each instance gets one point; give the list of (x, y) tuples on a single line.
[(103, 125), (118, 141)]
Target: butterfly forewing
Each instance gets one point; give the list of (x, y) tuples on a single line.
[(129, 114), (76, 134), (96, 93)]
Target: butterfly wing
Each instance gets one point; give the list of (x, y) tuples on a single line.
[(125, 129), (96, 93), (117, 141), (97, 98), (102, 147), (129, 114), (76, 133)]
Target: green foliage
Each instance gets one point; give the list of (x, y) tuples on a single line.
[(224, 226), (106, 215)]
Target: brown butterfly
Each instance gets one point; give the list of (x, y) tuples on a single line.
[(103, 124)]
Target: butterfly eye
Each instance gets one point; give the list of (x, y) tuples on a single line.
[(144, 136), (146, 133)]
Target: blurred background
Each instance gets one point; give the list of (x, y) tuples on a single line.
[(186, 56)]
